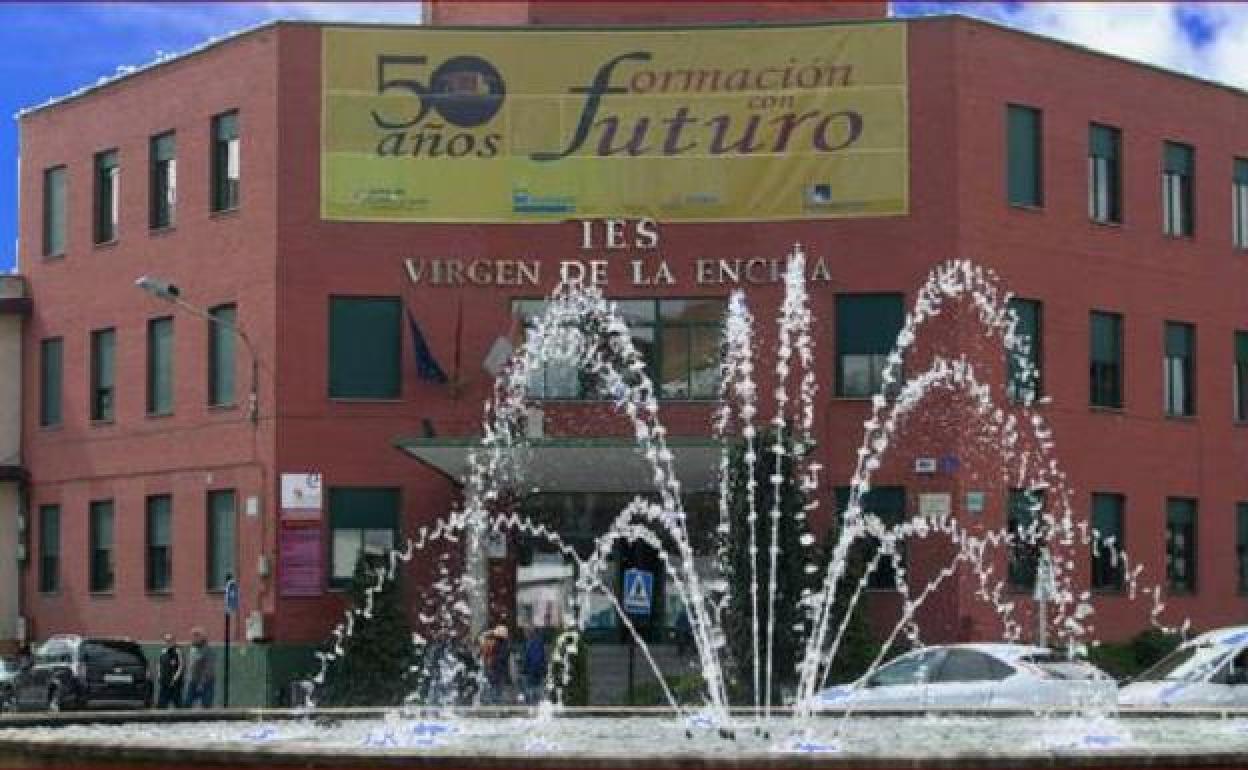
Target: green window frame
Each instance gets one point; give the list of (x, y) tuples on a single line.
[(160, 366), (49, 548), (159, 545), (1241, 376), (107, 196), (101, 567), (1181, 542), (360, 519), (1108, 521), (55, 196), (1024, 156), (103, 375), (1241, 546), (867, 326), (1106, 369), (1026, 508), (365, 347), (222, 539), (1104, 174), (889, 504), (1179, 391), (226, 192), (1025, 382), (163, 190), (1239, 203), (1178, 171), (51, 381), (222, 337)]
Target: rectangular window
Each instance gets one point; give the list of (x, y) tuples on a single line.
[(360, 519), (1107, 520), (54, 193), (103, 358), (159, 543), (50, 371), (101, 544), (222, 541), (1024, 383), (1178, 168), (1106, 360), (1241, 376), (1241, 545), (107, 196), (160, 366), (1104, 174), (1181, 545), (49, 548), (1029, 533), (866, 333), (226, 162), (1024, 151), (221, 337), (164, 188), (889, 504), (1180, 373), (1239, 203), (365, 335)]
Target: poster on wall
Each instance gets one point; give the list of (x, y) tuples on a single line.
[(772, 123), (300, 567), (301, 496)]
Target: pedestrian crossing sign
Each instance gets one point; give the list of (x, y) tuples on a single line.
[(638, 591)]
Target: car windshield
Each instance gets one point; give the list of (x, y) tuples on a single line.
[(1187, 664)]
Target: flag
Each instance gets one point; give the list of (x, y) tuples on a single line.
[(426, 367)]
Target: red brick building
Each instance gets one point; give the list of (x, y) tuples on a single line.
[(1112, 195)]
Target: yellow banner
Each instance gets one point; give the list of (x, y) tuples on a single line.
[(429, 125)]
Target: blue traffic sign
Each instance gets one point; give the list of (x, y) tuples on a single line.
[(638, 591), (231, 597)]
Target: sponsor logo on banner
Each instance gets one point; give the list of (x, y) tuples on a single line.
[(302, 496)]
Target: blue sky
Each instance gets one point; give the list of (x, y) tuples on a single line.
[(50, 49)]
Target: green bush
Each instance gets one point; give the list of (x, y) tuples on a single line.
[(1125, 660), (687, 689), (570, 650)]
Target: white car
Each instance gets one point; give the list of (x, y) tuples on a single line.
[(1210, 670), (967, 676)]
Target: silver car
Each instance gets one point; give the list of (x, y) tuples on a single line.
[(1210, 670), (971, 676)]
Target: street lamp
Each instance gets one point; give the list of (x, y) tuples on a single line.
[(164, 290)]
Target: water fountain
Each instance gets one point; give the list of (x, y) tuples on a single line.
[(581, 326)]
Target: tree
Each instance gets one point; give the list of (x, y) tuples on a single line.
[(376, 667)]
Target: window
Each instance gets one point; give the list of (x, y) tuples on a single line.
[(1241, 376), (889, 504), (914, 668), (50, 368), (221, 332), (678, 338), (164, 190), (1023, 156), (226, 162), (1107, 520), (364, 347), (1178, 165), (222, 545), (1024, 382), (54, 212), (360, 519), (107, 196), (1106, 360), (101, 537), (1239, 204), (160, 366), (1241, 544), (1180, 382), (1028, 529), (962, 665), (49, 548), (1104, 174), (866, 332), (103, 356), (159, 543), (1181, 545)]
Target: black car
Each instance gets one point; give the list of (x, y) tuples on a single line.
[(74, 672)]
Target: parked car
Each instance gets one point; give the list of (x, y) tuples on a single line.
[(1210, 670), (977, 676), (73, 672), (8, 672)]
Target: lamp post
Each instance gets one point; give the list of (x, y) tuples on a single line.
[(164, 290)]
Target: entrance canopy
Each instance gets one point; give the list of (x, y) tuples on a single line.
[(579, 464)]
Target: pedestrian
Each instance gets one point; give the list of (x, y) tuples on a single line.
[(498, 666), (533, 667), (201, 665), (169, 675)]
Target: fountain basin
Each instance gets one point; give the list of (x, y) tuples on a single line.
[(605, 738)]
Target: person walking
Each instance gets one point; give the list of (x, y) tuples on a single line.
[(533, 667), (169, 675), (201, 664), (498, 665)]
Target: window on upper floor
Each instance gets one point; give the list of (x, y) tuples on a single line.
[(1109, 543), (1029, 532), (1104, 174), (49, 548), (888, 504), (1180, 369), (222, 530), (107, 196), (1239, 203), (160, 366), (365, 340), (361, 520), (54, 219), (1178, 171), (103, 366), (101, 577), (50, 381), (159, 536), (226, 162), (1106, 360), (1023, 368), (1024, 156), (867, 326), (1181, 544), (164, 186), (1241, 376), (222, 329)]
